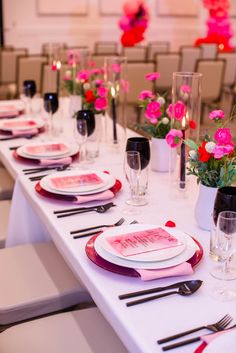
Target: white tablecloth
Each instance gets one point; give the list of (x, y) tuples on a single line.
[(139, 327)]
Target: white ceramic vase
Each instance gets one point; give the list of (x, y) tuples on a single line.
[(163, 158), (75, 104), (204, 206)]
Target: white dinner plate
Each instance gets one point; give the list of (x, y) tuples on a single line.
[(188, 252), (71, 152), (108, 182), (21, 124), (223, 344), (45, 149), (157, 255), (11, 106)]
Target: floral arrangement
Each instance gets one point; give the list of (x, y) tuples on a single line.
[(91, 88), (218, 24), (134, 22), (213, 162), (159, 119)]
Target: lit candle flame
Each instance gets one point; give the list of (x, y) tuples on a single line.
[(113, 92), (58, 65), (184, 122)]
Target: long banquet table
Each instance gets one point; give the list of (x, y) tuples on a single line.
[(139, 327)]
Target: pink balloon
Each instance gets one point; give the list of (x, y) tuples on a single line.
[(131, 7)]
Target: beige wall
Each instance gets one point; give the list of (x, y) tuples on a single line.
[(29, 23)]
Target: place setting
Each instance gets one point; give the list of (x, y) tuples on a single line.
[(21, 127), (79, 186), (12, 109), (145, 251)]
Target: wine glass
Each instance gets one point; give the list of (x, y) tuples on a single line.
[(81, 135), (132, 170), (226, 245), (225, 201), (141, 145), (29, 90), (92, 140), (51, 105)]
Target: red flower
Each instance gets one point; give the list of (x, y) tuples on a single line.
[(170, 224), (89, 96), (192, 124), (204, 156)]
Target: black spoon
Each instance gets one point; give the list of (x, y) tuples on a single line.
[(184, 289)]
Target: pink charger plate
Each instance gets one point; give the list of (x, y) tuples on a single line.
[(125, 271)]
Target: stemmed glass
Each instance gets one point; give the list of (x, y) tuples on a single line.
[(132, 170), (141, 145), (81, 135), (89, 117), (29, 90), (226, 246), (51, 105)]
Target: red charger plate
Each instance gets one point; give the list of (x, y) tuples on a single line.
[(125, 271)]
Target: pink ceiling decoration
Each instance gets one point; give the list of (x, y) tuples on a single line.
[(219, 29)]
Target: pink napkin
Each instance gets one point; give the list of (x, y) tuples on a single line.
[(105, 195), (180, 270), (60, 161), (209, 338), (25, 132), (9, 114)]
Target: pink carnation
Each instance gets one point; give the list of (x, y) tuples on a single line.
[(146, 94), (223, 136), (98, 82), (174, 138), (179, 110), (95, 71), (116, 68), (216, 114), (152, 76), (221, 151), (82, 75), (100, 103), (153, 110), (185, 88), (102, 91)]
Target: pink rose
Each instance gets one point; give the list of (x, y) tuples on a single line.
[(223, 136), (100, 103), (102, 91), (82, 75), (153, 110), (146, 94), (174, 138), (152, 76), (221, 151), (179, 110), (216, 114)]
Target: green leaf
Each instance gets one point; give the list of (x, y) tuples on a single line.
[(191, 144)]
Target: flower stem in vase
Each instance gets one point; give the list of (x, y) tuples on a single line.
[(182, 182), (114, 118)]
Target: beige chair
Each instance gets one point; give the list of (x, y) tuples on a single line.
[(166, 64), (157, 48), (137, 53), (209, 50), (189, 57), (83, 331), (230, 68), (106, 48), (4, 216), (99, 60), (37, 282), (212, 82), (6, 184), (30, 68)]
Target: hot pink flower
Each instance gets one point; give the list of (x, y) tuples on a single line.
[(223, 136), (95, 71), (98, 82), (174, 138), (102, 91), (221, 151), (153, 110), (185, 88), (152, 76), (82, 75), (216, 114), (116, 68), (100, 103), (145, 94), (179, 110)]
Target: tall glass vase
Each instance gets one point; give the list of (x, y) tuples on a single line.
[(115, 78), (185, 118)]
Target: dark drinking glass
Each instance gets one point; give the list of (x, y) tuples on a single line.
[(87, 115), (141, 145), (225, 201), (29, 88), (51, 102)]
